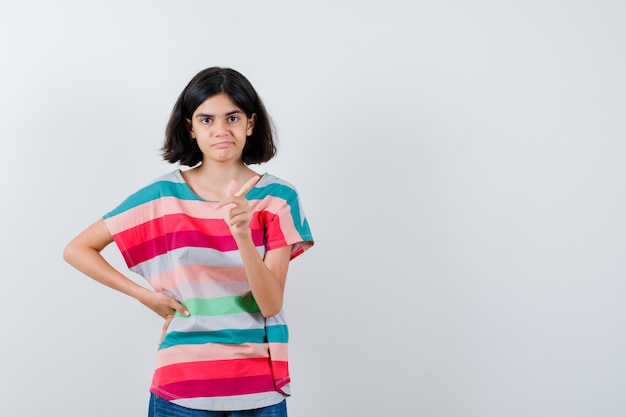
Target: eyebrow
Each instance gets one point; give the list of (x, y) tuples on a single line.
[(230, 113)]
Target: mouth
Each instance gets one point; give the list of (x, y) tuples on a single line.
[(222, 144)]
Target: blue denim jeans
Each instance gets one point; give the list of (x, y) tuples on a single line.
[(163, 408)]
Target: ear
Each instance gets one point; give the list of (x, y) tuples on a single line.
[(251, 122), (190, 128)]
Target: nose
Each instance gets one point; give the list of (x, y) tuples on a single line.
[(219, 127)]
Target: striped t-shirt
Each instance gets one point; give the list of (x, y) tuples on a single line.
[(225, 355)]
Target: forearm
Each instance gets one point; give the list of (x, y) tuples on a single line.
[(90, 262), (266, 277), (266, 287)]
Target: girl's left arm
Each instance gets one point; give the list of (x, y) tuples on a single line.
[(266, 277)]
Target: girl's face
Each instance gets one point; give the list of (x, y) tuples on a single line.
[(220, 128)]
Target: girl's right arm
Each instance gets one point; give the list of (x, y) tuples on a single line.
[(83, 253)]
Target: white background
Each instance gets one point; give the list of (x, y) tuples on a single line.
[(461, 164)]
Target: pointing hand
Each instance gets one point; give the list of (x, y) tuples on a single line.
[(237, 210)]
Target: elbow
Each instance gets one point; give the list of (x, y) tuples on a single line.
[(68, 253), (271, 311), (71, 253)]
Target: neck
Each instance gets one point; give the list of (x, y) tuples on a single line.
[(222, 173), (210, 180)]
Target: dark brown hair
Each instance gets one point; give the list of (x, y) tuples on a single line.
[(180, 147)]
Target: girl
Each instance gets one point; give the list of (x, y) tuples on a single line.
[(214, 241)]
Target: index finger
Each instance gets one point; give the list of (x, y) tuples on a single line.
[(248, 186)]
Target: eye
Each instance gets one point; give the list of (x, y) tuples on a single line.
[(233, 119), (206, 120)]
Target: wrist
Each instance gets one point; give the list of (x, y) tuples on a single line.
[(243, 235), (141, 294), (243, 239)]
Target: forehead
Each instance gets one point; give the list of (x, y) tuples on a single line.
[(219, 104)]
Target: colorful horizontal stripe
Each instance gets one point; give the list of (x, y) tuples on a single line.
[(218, 369), (221, 306), (225, 355), (271, 334), (213, 352), (217, 387)]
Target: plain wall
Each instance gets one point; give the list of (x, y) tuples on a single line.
[(461, 164)]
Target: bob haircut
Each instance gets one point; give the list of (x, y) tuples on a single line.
[(180, 147)]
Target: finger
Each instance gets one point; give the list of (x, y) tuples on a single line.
[(237, 218), (248, 186), (181, 309), (227, 209)]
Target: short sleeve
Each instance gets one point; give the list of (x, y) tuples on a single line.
[(288, 225), (136, 225)]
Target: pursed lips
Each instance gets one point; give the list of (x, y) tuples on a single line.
[(222, 144)]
